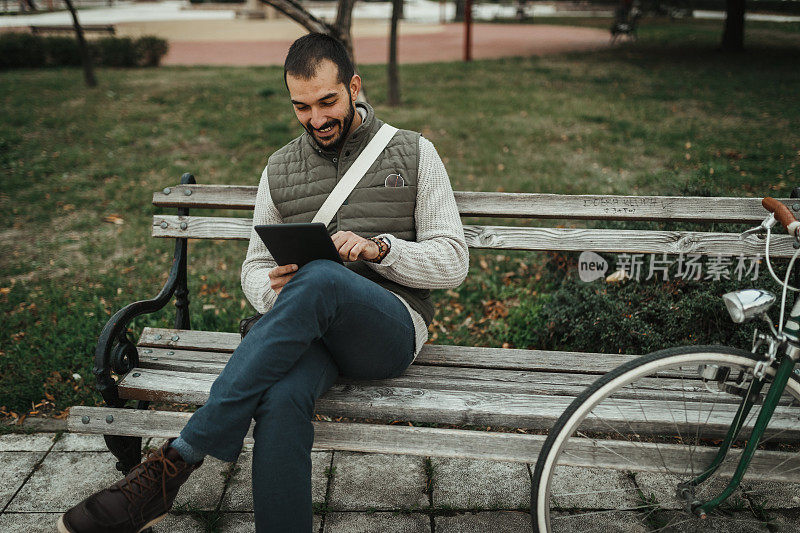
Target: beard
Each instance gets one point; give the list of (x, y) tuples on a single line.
[(336, 143)]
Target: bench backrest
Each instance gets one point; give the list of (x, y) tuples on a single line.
[(526, 206)]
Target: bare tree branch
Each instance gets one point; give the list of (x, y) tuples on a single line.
[(299, 14)]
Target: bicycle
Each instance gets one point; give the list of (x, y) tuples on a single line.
[(671, 438)]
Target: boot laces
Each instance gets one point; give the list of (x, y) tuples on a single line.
[(156, 467)]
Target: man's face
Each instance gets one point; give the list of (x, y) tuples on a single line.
[(324, 105)]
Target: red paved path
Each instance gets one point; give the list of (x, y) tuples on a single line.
[(489, 41)]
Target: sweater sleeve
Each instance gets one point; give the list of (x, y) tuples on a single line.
[(258, 262), (439, 258)]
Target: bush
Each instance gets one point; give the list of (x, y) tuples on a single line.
[(150, 50), (114, 52), (632, 317), (63, 51), (23, 50)]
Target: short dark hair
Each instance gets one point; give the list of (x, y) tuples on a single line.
[(306, 53)]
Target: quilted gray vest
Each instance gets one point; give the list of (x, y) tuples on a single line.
[(302, 175)]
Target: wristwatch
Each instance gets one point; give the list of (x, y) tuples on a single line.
[(384, 245)]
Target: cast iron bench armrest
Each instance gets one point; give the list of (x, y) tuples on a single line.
[(115, 351)]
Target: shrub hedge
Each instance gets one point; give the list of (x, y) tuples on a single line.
[(23, 50), (629, 317)]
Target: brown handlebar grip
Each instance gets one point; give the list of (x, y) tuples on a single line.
[(782, 213)]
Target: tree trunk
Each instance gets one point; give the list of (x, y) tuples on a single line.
[(88, 68), (394, 83), (342, 30), (733, 35), (460, 10), (521, 9)]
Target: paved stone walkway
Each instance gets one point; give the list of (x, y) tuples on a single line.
[(428, 43), (40, 477)]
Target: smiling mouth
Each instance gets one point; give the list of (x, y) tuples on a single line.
[(326, 132)]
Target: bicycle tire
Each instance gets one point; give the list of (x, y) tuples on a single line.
[(653, 508)]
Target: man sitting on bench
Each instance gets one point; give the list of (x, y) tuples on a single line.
[(400, 232)]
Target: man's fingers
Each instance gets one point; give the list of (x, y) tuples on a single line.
[(339, 238), (280, 271), (345, 249), (355, 251), (277, 284)]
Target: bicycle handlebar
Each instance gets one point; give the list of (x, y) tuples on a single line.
[(782, 214)]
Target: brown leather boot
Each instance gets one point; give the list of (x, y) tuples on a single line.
[(136, 502)]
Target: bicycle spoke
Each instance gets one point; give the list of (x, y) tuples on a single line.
[(606, 491), (604, 511), (658, 449), (690, 463), (599, 441)]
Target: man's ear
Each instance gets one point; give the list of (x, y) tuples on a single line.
[(355, 87)]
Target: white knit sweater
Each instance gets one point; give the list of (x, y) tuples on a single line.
[(439, 258)]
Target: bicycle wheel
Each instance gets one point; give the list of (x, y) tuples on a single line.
[(615, 457)]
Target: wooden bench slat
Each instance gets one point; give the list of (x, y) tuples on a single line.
[(462, 379), (440, 442), (431, 354), (194, 347), (520, 205), (69, 28), (190, 339), (524, 238), (364, 400), (370, 438)]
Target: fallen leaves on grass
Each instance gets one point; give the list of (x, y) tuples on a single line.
[(114, 219), (217, 289), (495, 309)]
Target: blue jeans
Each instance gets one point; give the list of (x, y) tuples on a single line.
[(327, 320)]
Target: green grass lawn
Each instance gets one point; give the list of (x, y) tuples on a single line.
[(668, 115)]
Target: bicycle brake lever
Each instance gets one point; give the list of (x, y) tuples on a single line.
[(766, 224)]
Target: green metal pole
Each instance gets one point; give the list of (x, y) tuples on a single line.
[(770, 403), (733, 432)]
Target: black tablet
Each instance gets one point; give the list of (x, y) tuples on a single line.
[(298, 243)]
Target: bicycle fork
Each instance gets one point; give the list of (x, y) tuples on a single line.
[(685, 491)]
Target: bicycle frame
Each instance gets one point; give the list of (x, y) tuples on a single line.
[(791, 343)]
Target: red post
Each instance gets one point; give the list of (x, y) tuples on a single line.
[(468, 30)]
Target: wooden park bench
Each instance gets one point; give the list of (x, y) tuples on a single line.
[(449, 385), (626, 23), (87, 28)]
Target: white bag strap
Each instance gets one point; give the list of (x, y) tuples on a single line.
[(354, 174)]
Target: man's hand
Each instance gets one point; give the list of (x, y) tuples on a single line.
[(280, 276), (351, 247)]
